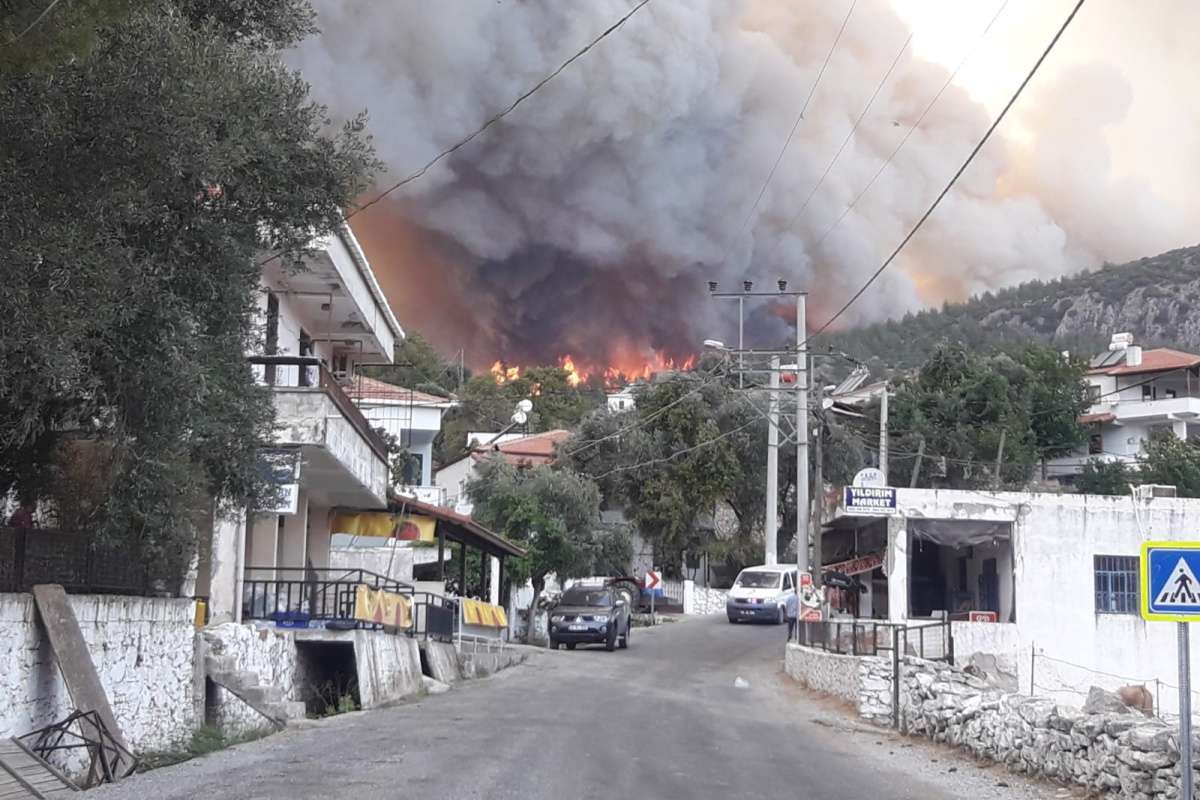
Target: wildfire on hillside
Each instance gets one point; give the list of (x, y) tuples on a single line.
[(614, 376)]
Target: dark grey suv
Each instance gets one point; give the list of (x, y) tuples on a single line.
[(590, 615)]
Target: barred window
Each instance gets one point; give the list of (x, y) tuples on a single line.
[(1116, 584)]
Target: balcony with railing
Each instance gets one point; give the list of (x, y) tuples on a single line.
[(346, 458)]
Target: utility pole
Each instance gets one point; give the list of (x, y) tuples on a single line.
[(819, 484), (741, 347), (801, 436), (883, 434), (772, 522)]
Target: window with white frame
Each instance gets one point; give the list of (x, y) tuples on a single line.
[(1116, 584)]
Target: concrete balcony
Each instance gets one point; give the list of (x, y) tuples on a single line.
[(1170, 409), (344, 459), (433, 495)]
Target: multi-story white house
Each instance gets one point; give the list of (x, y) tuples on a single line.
[(413, 419), (320, 318), (1135, 393)]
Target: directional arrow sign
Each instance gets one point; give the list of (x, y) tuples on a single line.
[(652, 580), (1168, 587)]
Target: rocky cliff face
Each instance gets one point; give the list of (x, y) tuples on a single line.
[(1157, 299)]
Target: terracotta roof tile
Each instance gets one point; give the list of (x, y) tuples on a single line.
[(364, 388), (1160, 359)]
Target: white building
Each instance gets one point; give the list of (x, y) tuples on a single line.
[(413, 419), (621, 400), (1136, 392), (319, 319), (523, 451), (1060, 571)]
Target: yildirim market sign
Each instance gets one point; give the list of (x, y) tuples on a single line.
[(869, 499)]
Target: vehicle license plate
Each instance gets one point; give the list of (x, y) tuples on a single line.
[(578, 628)]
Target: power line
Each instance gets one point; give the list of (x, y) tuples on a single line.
[(497, 117), (787, 142), (664, 459), (642, 421), (33, 24), (986, 136), (489, 123), (841, 148), (911, 130)]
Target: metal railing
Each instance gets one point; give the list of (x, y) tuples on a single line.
[(296, 596), (931, 641), (79, 563), (311, 374), (434, 617)]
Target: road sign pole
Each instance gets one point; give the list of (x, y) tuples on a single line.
[(1185, 713)]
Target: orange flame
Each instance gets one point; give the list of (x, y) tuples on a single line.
[(502, 374), (625, 370), (574, 376)]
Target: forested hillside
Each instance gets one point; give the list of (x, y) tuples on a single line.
[(1155, 298)]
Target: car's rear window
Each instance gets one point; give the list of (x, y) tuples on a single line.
[(759, 580), (586, 597)]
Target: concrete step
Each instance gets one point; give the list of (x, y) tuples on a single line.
[(220, 663), (295, 709), (235, 680), (259, 695)]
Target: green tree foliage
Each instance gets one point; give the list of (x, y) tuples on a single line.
[(1170, 461), (962, 402), (1039, 311), (1105, 477), (553, 513), (143, 181), (488, 406), (418, 365)]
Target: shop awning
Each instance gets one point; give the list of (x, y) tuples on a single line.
[(457, 527)]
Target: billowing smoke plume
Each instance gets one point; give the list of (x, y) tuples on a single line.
[(588, 221)]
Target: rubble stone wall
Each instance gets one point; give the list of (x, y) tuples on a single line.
[(1122, 753), (1118, 752)]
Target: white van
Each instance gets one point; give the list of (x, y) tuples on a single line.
[(761, 593)]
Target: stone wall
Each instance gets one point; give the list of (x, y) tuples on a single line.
[(703, 600), (144, 652), (1122, 753), (1117, 751), (268, 653), (828, 673)]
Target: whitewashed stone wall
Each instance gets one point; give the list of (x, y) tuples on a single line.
[(1122, 754), (702, 600), (144, 652), (1119, 754), (828, 673), (265, 651)]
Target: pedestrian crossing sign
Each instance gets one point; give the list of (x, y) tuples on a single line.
[(1169, 588)]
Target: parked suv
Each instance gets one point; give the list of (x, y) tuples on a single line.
[(590, 615)]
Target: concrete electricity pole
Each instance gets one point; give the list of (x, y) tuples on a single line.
[(772, 523), (801, 435), (883, 434)]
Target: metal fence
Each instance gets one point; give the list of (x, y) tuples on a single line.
[(932, 641), (434, 617), (295, 596), (80, 563)]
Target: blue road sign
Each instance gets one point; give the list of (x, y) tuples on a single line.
[(1169, 587)]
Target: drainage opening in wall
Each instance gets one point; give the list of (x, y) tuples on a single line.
[(328, 675)]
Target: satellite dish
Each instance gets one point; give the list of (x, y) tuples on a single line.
[(519, 418), (525, 406)]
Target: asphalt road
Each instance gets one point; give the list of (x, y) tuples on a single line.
[(660, 720)]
